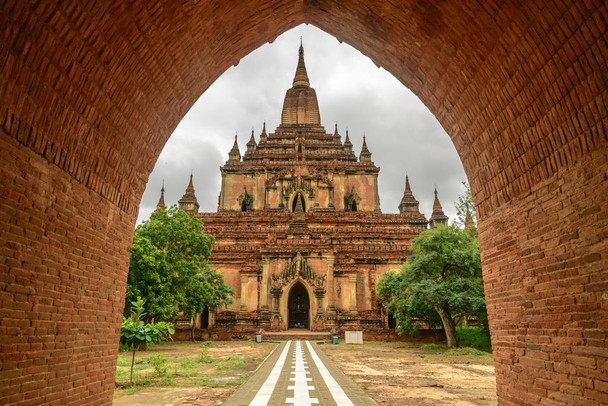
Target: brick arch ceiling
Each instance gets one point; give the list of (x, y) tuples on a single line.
[(92, 90)]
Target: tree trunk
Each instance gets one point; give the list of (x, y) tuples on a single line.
[(192, 331), (132, 363), (449, 326)]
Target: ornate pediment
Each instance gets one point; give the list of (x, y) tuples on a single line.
[(245, 200), (298, 267), (300, 185), (352, 200)]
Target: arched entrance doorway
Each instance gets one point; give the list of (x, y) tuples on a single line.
[(205, 318), (298, 307)]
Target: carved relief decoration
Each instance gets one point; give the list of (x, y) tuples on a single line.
[(298, 267), (245, 200), (351, 198), (300, 185)]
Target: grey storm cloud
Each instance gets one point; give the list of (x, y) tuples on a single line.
[(402, 134)]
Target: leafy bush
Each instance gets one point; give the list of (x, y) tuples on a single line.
[(474, 337), (135, 332)]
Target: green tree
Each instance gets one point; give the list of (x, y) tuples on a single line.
[(135, 332), (444, 274), (208, 290), (411, 314), (464, 204), (169, 266)]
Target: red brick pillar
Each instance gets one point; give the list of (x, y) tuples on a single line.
[(62, 283), (545, 259)]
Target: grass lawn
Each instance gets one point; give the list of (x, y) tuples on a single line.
[(223, 363)]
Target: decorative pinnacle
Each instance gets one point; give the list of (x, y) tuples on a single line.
[(301, 77), (436, 205)]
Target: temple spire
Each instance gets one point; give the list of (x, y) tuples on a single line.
[(336, 133), (264, 135), (188, 202), (161, 200), (347, 144), (436, 204), (438, 218), (300, 105), (365, 155), (251, 145), (301, 77), (234, 154), (408, 204)]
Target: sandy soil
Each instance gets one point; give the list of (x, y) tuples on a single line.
[(401, 373)]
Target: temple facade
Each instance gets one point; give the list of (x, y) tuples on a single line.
[(299, 233)]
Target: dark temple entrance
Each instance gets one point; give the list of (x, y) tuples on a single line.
[(298, 306)]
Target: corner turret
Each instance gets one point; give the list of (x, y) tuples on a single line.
[(408, 204), (251, 145), (264, 135), (365, 155), (234, 154), (161, 200), (188, 202), (438, 218), (348, 146)]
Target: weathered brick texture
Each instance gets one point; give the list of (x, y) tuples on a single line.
[(90, 91)]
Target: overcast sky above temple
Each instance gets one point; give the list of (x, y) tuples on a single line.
[(402, 134)]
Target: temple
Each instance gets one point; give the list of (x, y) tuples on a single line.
[(299, 233)]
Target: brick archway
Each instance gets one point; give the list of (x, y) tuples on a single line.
[(91, 91)]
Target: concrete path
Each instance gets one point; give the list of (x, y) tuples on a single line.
[(298, 373)]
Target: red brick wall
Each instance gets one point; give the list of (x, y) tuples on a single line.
[(91, 91), (62, 278)]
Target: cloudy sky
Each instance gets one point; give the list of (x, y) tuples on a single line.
[(402, 134)]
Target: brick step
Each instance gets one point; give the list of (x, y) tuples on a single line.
[(297, 334)]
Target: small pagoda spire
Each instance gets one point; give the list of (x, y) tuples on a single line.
[(408, 189), (436, 204), (188, 202), (365, 155), (348, 146), (263, 136), (301, 77), (251, 145), (408, 204), (161, 200), (438, 218), (336, 133), (234, 154)]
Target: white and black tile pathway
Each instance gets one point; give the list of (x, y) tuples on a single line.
[(298, 373)]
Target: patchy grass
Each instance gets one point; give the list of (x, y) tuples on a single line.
[(225, 364), (459, 352), (431, 347)]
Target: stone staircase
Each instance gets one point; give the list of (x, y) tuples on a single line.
[(297, 334)]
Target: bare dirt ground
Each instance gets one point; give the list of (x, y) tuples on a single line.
[(399, 374)]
